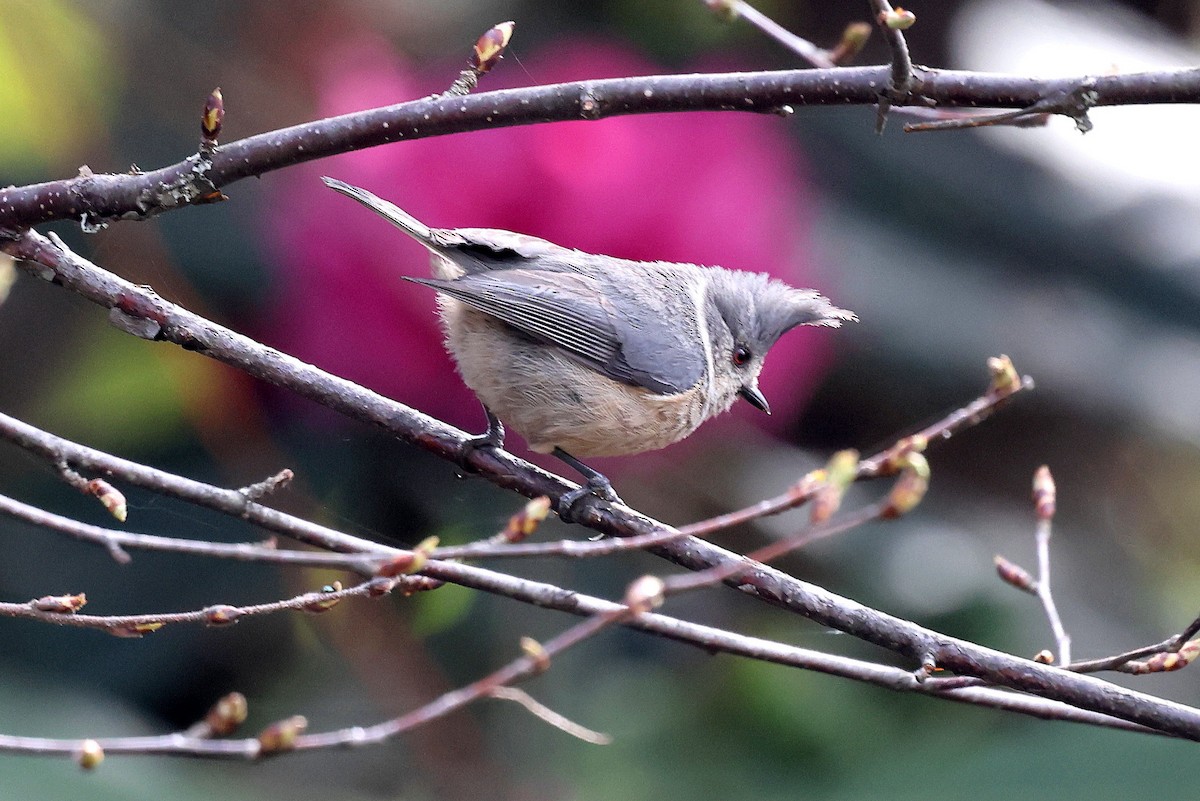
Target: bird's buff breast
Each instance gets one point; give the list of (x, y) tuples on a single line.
[(553, 401)]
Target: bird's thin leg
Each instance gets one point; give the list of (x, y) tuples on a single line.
[(596, 484), (492, 438)]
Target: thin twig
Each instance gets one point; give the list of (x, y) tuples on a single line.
[(769, 553), (1044, 499), (244, 552), (1117, 661), (216, 615), (548, 715), (739, 9), (1073, 103)]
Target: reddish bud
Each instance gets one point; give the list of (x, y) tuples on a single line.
[(64, 604), (1044, 657), (110, 498), (410, 585), (221, 615), (525, 522), (281, 735), (490, 47), (1014, 574), (396, 566), (380, 586), (227, 714), (1044, 494), (214, 114), (1167, 660)]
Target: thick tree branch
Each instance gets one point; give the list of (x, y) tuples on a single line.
[(96, 198)]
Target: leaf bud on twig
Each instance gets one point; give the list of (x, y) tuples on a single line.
[(1014, 574), (1044, 494), (211, 119), (227, 714), (281, 735), (90, 755)]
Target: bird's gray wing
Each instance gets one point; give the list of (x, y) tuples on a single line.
[(570, 310), (481, 250)]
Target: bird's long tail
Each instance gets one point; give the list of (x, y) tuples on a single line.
[(389, 211)]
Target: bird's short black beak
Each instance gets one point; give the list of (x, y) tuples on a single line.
[(755, 398)]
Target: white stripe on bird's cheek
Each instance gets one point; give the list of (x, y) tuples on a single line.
[(699, 295)]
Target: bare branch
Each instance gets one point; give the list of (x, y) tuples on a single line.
[(45, 610), (244, 552), (175, 324), (195, 179)]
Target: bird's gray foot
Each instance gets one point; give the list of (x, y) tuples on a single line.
[(492, 438), (596, 484)]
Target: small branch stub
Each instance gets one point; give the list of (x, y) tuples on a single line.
[(268, 485)]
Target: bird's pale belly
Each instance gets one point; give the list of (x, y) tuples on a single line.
[(552, 401)]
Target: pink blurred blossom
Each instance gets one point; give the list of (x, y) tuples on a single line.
[(718, 188)]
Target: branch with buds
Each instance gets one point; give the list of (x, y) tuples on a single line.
[(1046, 687)]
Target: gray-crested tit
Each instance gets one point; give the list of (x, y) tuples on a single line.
[(589, 355)]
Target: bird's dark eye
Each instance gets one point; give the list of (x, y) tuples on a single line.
[(741, 355)]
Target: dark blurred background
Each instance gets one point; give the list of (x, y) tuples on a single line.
[(1075, 255)]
